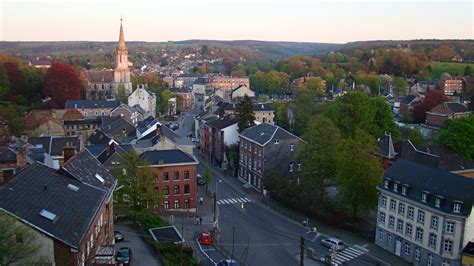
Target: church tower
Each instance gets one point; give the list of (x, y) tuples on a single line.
[(122, 72)]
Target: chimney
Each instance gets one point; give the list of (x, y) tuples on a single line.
[(21, 158), (69, 152)]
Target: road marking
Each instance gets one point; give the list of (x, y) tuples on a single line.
[(199, 244), (362, 248), (247, 199), (233, 200), (226, 201), (219, 202), (353, 251), (240, 200), (344, 256)]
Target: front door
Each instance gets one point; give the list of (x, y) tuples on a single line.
[(398, 247)]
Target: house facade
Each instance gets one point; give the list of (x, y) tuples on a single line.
[(452, 86), (144, 98), (266, 148), (175, 178), (227, 83), (423, 217), (184, 98), (440, 114)]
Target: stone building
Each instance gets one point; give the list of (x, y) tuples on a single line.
[(144, 98), (110, 84)]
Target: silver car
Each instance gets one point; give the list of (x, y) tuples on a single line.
[(333, 243)]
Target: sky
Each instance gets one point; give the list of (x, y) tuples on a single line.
[(337, 21)]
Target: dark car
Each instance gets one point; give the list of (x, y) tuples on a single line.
[(228, 262), (124, 255), (118, 236), (200, 180)]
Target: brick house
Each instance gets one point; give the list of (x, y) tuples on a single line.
[(266, 148), (440, 114), (128, 113), (217, 133), (423, 216), (175, 178), (42, 198), (184, 98), (42, 122), (452, 86)]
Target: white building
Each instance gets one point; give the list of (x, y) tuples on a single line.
[(144, 98)]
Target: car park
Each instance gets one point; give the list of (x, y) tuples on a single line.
[(333, 243), (124, 255), (205, 239), (118, 236)]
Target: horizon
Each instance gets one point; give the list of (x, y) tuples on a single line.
[(336, 22)]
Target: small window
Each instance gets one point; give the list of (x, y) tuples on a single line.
[(383, 201), (386, 183), (457, 207), (299, 167), (395, 187), (417, 254), (292, 147), (186, 189), (176, 204), (291, 167), (186, 174), (100, 178), (438, 202), (166, 205), (276, 141), (176, 189), (176, 175), (47, 214)]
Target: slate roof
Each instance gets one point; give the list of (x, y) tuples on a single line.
[(386, 148), (84, 167), (100, 76), (167, 157), (116, 126), (262, 107), (39, 187), (437, 182), (457, 107), (77, 104), (54, 145), (223, 122), (469, 248), (99, 137), (146, 124), (409, 98), (7, 155), (265, 132), (95, 150)]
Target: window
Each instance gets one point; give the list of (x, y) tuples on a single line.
[(291, 167), (299, 167), (186, 189), (176, 204), (424, 196), (383, 202), (430, 260), (401, 209), (292, 147), (395, 187), (166, 190), (389, 239), (276, 141), (432, 240), (457, 207), (407, 248), (409, 229), (448, 245), (386, 183), (176, 189), (186, 174), (391, 222), (421, 217), (419, 234), (411, 212), (176, 175), (450, 227), (393, 205), (400, 225), (417, 254), (380, 234), (382, 218), (438, 202), (166, 176), (166, 204), (434, 222), (186, 204), (404, 190)]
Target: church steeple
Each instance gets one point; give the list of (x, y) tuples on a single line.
[(121, 45)]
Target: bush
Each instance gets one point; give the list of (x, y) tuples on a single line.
[(172, 253)]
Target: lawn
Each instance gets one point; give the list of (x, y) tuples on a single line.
[(453, 68)]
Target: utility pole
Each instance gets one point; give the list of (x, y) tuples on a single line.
[(232, 255), (302, 251)]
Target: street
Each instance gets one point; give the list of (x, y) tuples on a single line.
[(142, 255)]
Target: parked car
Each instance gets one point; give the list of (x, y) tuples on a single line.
[(195, 140), (228, 262), (333, 243), (200, 180), (118, 236), (205, 238), (124, 255)]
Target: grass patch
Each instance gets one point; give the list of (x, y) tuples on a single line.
[(453, 68)]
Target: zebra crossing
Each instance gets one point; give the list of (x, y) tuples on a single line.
[(347, 254), (233, 201)]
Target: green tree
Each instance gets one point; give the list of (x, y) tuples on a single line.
[(281, 115), (414, 135), (136, 180), (468, 71), (245, 112), (315, 84), (207, 176), (458, 135), (318, 156), (166, 94), (4, 83), (358, 173), (383, 119), (400, 86), (351, 112), (17, 241), (9, 115)]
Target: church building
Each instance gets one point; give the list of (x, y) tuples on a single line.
[(110, 84)]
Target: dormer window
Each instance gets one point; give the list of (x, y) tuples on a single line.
[(395, 187), (438, 201), (277, 141), (404, 190), (386, 183), (457, 207), (424, 196), (292, 147)]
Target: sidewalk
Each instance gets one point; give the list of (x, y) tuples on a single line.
[(375, 251)]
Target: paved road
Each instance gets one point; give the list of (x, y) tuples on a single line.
[(142, 255)]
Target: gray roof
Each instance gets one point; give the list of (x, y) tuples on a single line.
[(54, 145), (262, 107), (409, 98), (39, 187), (146, 124), (223, 122), (7, 155), (95, 150), (265, 132), (117, 126), (386, 148), (457, 107), (99, 137), (77, 104), (167, 157), (85, 168), (437, 182)]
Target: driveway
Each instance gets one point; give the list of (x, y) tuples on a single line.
[(142, 254)]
